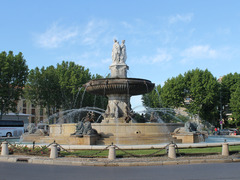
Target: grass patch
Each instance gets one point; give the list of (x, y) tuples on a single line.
[(146, 152)]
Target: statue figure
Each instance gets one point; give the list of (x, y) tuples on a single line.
[(79, 129), (153, 117), (190, 127), (31, 128), (187, 127), (116, 52), (123, 55), (86, 127)]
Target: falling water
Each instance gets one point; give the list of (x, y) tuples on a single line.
[(83, 96), (77, 97)]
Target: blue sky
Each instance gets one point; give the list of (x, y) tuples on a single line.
[(163, 38)]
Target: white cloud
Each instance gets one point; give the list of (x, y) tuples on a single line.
[(198, 52), (127, 25), (161, 56), (181, 17), (54, 36), (93, 31), (106, 61)]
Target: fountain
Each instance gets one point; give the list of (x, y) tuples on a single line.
[(117, 126)]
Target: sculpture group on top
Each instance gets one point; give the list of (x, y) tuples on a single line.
[(119, 54)]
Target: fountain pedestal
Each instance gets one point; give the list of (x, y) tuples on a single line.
[(119, 70), (118, 109)]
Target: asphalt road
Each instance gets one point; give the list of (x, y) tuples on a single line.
[(22, 171)]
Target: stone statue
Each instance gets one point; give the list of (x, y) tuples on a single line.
[(31, 128), (116, 52), (86, 127), (123, 55), (79, 129), (190, 127)]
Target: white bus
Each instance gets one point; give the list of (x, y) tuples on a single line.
[(10, 128)]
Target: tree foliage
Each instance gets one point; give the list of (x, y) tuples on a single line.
[(153, 98), (43, 88), (235, 104), (13, 76), (71, 78), (61, 87), (228, 86), (173, 92), (203, 90), (198, 86)]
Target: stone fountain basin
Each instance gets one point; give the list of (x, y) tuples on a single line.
[(120, 133), (130, 86)]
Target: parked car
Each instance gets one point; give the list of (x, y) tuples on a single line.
[(224, 132), (234, 132)]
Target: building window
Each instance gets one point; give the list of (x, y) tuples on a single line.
[(32, 119), (24, 103), (41, 112), (24, 111), (33, 111)]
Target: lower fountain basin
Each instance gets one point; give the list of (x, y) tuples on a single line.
[(121, 133)]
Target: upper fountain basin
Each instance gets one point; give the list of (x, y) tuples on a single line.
[(131, 86)]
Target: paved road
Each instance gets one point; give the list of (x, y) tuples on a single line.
[(22, 171)]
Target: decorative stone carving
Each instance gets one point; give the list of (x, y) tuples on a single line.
[(119, 53), (31, 128), (86, 127)]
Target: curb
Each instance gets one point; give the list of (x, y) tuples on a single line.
[(110, 163)]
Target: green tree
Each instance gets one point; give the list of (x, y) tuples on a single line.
[(13, 76), (203, 90), (43, 89), (62, 88), (71, 78), (227, 86), (235, 105), (153, 98), (173, 92)]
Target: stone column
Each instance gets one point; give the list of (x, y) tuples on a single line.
[(171, 151), (4, 151), (54, 153), (225, 149), (112, 153)]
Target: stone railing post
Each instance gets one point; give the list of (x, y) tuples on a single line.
[(171, 151), (112, 153), (225, 149), (4, 151), (54, 152)]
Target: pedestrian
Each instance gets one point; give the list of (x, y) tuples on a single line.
[(215, 131)]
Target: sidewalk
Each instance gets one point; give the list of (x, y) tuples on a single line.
[(151, 161)]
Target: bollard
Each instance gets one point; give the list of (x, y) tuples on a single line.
[(171, 151), (54, 153), (225, 149), (112, 153), (4, 151)]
